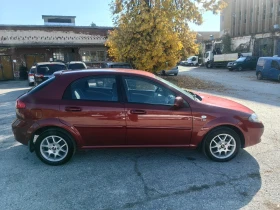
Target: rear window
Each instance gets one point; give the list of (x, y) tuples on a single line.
[(123, 66), (75, 66), (42, 85), (49, 69), (32, 70), (261, 62)]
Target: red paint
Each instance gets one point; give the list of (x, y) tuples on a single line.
[(120, 124)]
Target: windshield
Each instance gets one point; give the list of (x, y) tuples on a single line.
[(241, 59), (75, 66), (186, 93), (123, 66), (49, 69)]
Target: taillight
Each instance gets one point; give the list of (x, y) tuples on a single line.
[(20, 104), (30, 75), (39, 75)]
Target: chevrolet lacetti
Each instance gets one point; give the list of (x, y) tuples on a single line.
[(128, 108)]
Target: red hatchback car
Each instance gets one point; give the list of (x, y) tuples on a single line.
[(128, 108)]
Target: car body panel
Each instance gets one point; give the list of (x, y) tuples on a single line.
[(269, 67), (248, 62), (111, 124)]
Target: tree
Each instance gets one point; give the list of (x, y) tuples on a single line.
[(152, 33), (92, 24)]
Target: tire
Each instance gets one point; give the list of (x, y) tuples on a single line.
[(222, 137), (240, 68), (259, 76), (208, 65), (54, 147)]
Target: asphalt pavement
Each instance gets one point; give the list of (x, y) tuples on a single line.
[(149, 178)]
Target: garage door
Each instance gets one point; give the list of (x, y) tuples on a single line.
[(6, 68), (31, 60)]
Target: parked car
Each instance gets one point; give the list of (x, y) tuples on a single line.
[(75, 65), (268, 67), (127, 108), (45, 70), (174, 71), (116, 65), (243, 63), (191, 61), (31, 76)]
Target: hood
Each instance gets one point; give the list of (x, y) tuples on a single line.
[(223, 103)]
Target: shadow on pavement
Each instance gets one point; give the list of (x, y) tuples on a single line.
[(129, 178)]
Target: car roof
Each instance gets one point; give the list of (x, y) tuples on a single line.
[(120, 63), (73, 62), (100, 71), (270, 58), (45, 63)]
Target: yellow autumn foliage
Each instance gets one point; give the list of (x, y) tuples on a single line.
[(154, 34)]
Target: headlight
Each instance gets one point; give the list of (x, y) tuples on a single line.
[(235, 64), (254, 118)]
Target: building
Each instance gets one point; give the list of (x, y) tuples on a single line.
[(57, 40), (253, 25)]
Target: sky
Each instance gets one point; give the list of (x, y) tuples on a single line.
[(29, 12)]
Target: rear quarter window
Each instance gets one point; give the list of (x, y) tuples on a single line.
[(42, 85)]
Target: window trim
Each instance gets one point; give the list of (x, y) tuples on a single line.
[(67, 94), (151, 80)]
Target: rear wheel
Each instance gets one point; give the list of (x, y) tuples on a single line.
[(222, 144), (54, 147), (259, 76)]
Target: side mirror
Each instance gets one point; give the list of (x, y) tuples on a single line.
[(178, 102)]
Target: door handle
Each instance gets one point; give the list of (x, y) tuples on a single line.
[(73, 109), (137, 111)]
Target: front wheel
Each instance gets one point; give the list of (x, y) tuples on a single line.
[(208, 65), (54, 147), (259, 76), (222, 144), (240, 68)]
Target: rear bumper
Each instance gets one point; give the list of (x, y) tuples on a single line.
[(20, 129)]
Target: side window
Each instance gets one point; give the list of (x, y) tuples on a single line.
[(139, 90), (99, 88), (261, 62), (274, 64)]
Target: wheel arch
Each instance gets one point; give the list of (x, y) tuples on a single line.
[(236, 129), (40, 130)]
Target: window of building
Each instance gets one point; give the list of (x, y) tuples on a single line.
[(245, 16), (58, 55), (264, 11), (92, 55), (271, 11)]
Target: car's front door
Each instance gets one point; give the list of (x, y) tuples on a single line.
[(150, 115), (92, 106)]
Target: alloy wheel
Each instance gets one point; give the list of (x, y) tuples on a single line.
[(222, 146)]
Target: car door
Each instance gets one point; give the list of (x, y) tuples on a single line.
[(92, 105), (150, 115), (274, 69)]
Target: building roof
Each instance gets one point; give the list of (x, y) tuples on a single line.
[(54, 26), (57, 16)]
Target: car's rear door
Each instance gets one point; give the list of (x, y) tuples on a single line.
[(150, 117), (92, 105)]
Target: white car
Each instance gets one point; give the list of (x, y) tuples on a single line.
[(31, 76), (174, 71)]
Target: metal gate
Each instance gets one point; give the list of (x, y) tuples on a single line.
[(6, 68), (32, 59)]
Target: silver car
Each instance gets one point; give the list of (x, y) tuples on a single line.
[(174, 71), (31, 76)]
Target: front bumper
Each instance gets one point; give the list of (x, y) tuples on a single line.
[(253, 134)]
